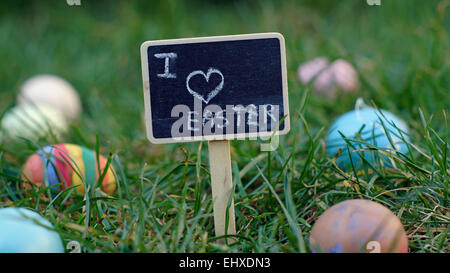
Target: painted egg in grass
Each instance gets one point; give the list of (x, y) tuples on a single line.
[(32, 122), (68, 165), (310, 69), (25, 231), (345, 76), (53, 91), (340, 75), (329, 78), (368, 123), (356, 226)]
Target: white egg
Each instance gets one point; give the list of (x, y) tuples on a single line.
[(32, 122), (53, 91)]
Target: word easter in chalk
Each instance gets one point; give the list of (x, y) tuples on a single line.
[(215, 88)]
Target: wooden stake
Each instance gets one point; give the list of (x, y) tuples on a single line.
[(222, 184)]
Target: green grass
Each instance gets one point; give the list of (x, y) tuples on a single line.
[(163, 200)]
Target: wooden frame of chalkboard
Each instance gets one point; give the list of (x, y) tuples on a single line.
[(147, 88)]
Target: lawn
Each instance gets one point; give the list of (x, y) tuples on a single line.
[(163, 201)]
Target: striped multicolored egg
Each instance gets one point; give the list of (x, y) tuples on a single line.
[(358, 226), (68, 165)]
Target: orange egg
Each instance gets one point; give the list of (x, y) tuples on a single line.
[(358, 226)]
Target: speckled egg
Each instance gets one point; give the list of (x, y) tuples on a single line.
[(25, 231), (358, 226), (366, 121), (68, 165), (32, 122), (53, 91)]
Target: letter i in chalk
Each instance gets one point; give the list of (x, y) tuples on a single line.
[(215, 89)]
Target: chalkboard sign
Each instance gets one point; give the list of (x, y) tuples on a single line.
[(215, 88)]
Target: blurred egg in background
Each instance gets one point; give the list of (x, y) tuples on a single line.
[(53, 91), (32, 122), (345, 76), (324, 84), (327, 78), (308, 70)]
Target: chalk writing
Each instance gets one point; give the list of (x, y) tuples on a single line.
[(213, 92), (167, 58)]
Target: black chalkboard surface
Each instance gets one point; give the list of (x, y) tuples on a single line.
[(209, 88)]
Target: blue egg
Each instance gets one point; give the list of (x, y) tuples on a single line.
[(25, 231), (366, 121)]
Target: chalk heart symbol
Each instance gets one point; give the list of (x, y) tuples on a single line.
[(211, 93)]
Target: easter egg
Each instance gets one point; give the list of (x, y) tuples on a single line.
[(324, 84), (358, 226), (368, 122), (345, 76), (32, 122), (53, 91), (340, 75), (329, 78), (25, 231), (68, 165), (308, 70)]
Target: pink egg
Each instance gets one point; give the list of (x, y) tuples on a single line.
[(308, 70), (358, 226), (325, 83), (329, 78), (345, 76)]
